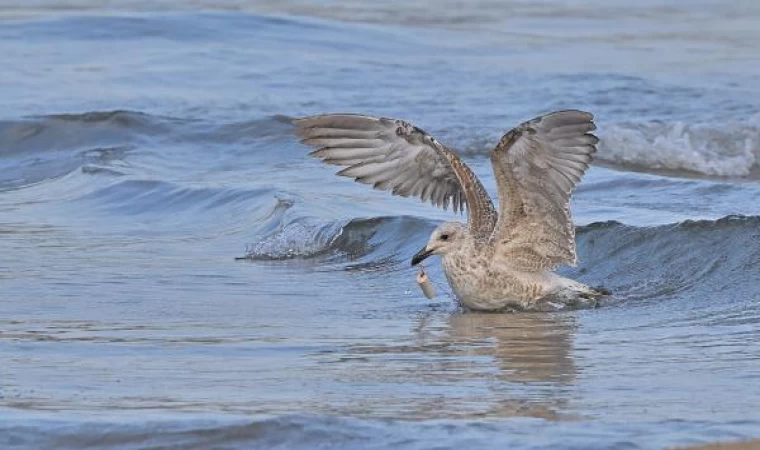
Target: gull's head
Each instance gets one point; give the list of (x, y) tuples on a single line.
[(446, 238)]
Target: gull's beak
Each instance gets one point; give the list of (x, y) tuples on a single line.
[(421, 255)]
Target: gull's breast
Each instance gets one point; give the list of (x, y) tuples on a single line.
[(481, 286)]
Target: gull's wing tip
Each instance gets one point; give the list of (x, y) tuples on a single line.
[(396, 156)]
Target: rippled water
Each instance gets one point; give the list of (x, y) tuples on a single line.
[(145, 146)]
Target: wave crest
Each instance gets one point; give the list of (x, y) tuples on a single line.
[(717, 257), (713, 256), (729, 150), (381, 240)]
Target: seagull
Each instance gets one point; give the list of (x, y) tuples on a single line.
[(500, 259)]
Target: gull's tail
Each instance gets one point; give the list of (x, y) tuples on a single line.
[(573, 294)]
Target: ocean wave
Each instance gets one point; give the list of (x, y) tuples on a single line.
[(694, 149), (42, 148), (153, 197), (723, 150), (319, 431), (379, 240), (37, 149), (119, 118), (57, 132), (716, 256)]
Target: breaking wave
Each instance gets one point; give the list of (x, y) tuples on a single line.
[(719, 257), (728, 150)]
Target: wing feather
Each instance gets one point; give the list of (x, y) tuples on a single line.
[(537, 166), (396, 156)]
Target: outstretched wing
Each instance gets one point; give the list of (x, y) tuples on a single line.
[(395, 156), (537, 166)]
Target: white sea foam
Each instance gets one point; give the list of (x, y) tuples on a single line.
[(728, 150), (298, 239)]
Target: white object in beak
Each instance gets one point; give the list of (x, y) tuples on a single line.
[(427, 287)]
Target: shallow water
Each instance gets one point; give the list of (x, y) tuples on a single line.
[(145, 146)]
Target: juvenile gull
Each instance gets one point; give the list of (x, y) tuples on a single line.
[(498, 260)]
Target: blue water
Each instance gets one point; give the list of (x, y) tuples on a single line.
[(146, 145)]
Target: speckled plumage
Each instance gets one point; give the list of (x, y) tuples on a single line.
[(499, 259), (485, 281)]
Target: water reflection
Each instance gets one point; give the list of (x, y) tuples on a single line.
[(466, 366), (531, 358), (524, 347)]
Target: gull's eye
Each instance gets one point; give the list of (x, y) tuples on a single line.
[(444, 237)]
